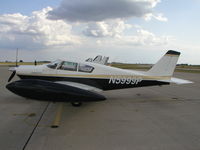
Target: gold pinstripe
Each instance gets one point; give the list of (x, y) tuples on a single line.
[(171, 55), (101, 76)]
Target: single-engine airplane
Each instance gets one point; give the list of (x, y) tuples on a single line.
[(77, 82)]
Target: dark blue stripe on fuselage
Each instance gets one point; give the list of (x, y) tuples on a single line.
[(96, 82)]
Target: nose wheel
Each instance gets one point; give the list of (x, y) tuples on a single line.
[(76, 104)]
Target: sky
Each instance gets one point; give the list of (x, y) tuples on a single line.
[(129, 31)]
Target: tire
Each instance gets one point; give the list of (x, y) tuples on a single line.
[(76, 104)]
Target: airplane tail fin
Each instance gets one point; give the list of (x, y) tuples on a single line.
[(166, 65)]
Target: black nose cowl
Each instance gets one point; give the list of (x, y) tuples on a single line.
[(11, 86)]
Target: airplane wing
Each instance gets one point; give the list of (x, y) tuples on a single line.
[(47, 90)]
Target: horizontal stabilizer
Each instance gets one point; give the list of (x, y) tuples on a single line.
[(177, 81), (180, 81)]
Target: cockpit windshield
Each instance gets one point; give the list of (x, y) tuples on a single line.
[(54, 64), (67, 65)]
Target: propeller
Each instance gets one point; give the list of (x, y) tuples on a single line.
[(13, 69), (12, 75)]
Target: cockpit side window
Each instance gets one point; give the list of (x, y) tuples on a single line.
[(85, 68), (53, 65), (66, 65)]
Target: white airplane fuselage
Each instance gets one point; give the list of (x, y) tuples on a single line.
[(80, 81), (102, 77)]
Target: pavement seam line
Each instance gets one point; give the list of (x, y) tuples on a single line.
[(35, 126)]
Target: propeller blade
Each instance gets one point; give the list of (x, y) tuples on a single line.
[(11, 76)]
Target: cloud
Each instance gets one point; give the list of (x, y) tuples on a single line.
[(158, 17), (111, 28), (39, 32), (100, 10), (94, 32), (142, 38), (35, 31), (118, 32)]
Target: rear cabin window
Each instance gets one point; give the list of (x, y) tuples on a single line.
[(54, 64), (85, 68), (66, 65)]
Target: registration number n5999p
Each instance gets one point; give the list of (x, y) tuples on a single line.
[(124, 80)]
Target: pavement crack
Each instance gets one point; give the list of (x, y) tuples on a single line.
[(36, 126)]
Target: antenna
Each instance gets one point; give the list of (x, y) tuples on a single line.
[(17, 57)]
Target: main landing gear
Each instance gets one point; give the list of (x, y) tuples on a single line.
[(76, 104)]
